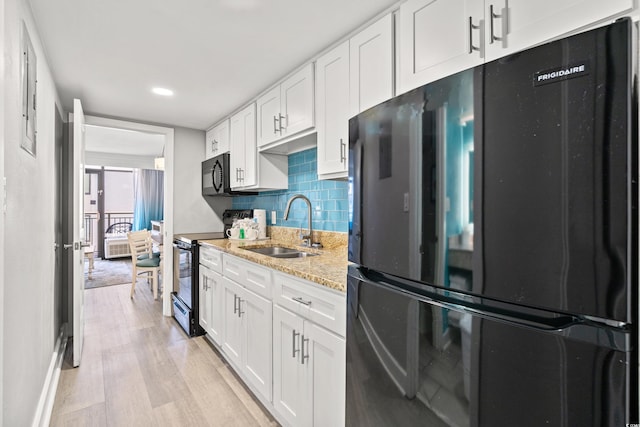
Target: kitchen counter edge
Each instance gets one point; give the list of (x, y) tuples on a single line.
[(328, 268)]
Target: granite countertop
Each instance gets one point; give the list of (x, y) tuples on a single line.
[(328, 268)]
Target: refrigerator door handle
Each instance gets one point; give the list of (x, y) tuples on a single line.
[(564, 325)]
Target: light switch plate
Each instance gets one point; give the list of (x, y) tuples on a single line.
[(273, 218)]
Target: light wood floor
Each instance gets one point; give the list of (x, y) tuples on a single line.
[(139, 369)]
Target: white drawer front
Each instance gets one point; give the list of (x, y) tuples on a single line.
[(252, 276), (324, 307), (211, 258)]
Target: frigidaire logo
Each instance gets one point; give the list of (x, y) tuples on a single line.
[(559, 74)]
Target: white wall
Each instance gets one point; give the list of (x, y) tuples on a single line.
[(192, 212), (2, 143), (118, 160), (29, 259)]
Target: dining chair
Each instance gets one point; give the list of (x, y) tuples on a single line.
[(144, 260)]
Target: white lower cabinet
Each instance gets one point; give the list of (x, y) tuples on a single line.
[(211, 292), (284, 336), (308, 371), (308, 360), (247, 335)]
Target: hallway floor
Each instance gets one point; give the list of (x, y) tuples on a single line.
[(139, 369)]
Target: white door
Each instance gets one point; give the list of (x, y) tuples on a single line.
[(256, 317), (371, 65), (204, 301), (268, 114), (296, 102), (518, 24), (248, 173), (438, 38), (237, 149), (326, 375), (287, 382), (332, 110), (232, 336), (78, 231), (216, 306)]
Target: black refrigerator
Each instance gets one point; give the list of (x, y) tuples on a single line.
[(493, 240)]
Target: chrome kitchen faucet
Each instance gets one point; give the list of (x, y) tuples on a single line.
[(307, 238)]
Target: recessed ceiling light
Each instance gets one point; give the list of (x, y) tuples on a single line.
[(162, 91)]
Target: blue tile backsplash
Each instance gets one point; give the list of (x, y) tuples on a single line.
[(329, 199)]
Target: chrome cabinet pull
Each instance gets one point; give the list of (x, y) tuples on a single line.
[(235, 304), (240, 312), (304, 356), (471, 28), (343, 151), (301, 301), (294, 334), (275, 126), (492, 16), (280, 120)]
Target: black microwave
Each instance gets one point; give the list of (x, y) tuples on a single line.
[(216, 179)]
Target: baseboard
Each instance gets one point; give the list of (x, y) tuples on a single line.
[(48, 396)]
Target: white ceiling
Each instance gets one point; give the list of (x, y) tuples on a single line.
[(214, 54)]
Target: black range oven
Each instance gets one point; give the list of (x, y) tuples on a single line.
[(184, 297)]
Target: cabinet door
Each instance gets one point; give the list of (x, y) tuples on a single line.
[(268, 116), (332, 110), (526, 23), (221, 135), (216, 306), (371, 71), (436, 39), (287, 381), (232, 336), (237, 149), (204, 302), (326, 375), (243, 148), (296, 102), (209, 144), (256, 318)]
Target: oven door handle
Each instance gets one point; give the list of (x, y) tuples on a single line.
[(180, 309)]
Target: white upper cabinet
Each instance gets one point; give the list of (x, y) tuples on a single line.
[(217, 140), (518, 24), (352, 77), (287, 109), (442, 37), (332, 110), (269, 116), (243, 147), (436, 38), (371, 65)]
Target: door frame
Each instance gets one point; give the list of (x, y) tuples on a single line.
[(167, 252)]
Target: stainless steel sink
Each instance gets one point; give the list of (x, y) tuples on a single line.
[(280, 252)]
